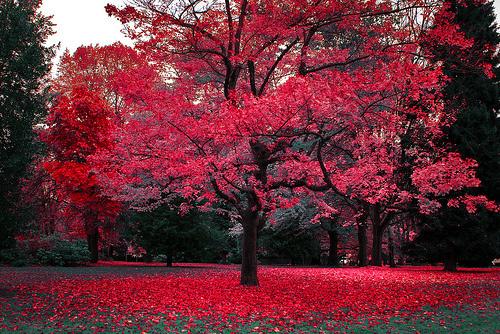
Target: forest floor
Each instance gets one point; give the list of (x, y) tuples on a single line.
[(190, 298)]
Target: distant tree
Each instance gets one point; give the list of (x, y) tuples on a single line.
[(86, 109), (291, 236), (101, 69), (453, 235), (192, 236), (78, 125), (25, 63), (39, 192)]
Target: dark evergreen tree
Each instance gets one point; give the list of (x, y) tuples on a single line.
[(291, 238), (289, 242), (454, 235), (24, 67), (191, 237)]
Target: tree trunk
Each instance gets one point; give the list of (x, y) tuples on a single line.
[(333, 257), (93, 244), (363, 245), (377, 247), (169, 259), (377, 235), (450, 261), (249, 251), (390, 241)]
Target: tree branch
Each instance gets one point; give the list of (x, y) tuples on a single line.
[(275, 64)]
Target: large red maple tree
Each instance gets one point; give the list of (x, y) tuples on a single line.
[(260, 102)]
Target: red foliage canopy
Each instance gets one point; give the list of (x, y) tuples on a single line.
[(256, 102), (81, 121)]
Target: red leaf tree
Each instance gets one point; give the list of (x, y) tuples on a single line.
[(86, 110), (77, 126), (258, 102)]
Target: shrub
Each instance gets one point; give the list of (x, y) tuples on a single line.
[(16, 257), (160, 258), (64, 253), (51, 250), (49, 257)]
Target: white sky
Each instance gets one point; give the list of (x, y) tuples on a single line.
[(82, 23), (86, 22)]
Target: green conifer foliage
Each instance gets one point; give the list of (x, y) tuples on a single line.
[(24, 67)]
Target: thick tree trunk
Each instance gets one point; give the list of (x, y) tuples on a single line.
[(450, 261), (249, 251), (169, 259), (390, 241), (333, 257), (93, 244), (363, 245)]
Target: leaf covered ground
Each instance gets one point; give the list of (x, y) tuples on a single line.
[(208, 299)]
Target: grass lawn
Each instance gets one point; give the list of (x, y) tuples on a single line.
[(207, 299)]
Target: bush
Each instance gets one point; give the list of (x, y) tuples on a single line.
[(8, 255), (160, 258), (52, 250), (49, 257), (16, 257), (64, 253)]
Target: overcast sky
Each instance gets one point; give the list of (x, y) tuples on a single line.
[(86, 22), (82, 23)]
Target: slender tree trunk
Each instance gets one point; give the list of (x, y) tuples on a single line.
[(377, 235), (377, 247), (333, 257), (249, 250), (363, 245), (93, 244), (450, 261), (390, 241), (169, 259)]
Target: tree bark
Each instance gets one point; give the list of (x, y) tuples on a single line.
[(377, 247), (390, 241), (169, 259), (249, 250), (93, 244), (110, 251), (333, 257), (377, 235), (450, 261), (363, 245)]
